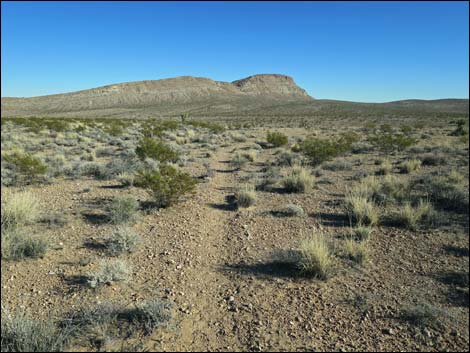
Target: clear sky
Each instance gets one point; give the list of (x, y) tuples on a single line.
[(359, 51)]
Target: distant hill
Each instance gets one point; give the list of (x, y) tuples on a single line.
[(265, 94)]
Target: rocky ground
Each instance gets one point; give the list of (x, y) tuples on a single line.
[(219, 267)]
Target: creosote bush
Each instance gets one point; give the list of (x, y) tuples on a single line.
[(157, 150), (29, 168), (277, 139), (167, 184), (319, 150)]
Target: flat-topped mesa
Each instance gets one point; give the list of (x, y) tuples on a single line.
[(165, 95), (273, 84)]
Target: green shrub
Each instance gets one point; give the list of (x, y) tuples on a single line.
[(461, 129), (157, 150), (388, 141), (409, 216), (168, 184), (124, 209), (213, 127), (322, 150), (277, 139), (29, 167)]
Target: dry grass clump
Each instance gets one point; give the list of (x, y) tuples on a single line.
[(245, 196), (361, 232), (18, 209), (385, 168), (356, 251), (410, 166), (409, 216), (315, 258), (360, 210), (298, 180)]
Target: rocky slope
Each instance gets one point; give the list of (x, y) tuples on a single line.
[(167, 96)]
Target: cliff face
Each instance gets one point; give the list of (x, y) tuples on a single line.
[(161, 94)]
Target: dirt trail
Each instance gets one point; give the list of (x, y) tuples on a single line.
[(206, 322)]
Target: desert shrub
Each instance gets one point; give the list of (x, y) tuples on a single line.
[(321, 150), (126, 178), (388, 141), (150, 315), (29, 167), (361, 232), (290, 211), (250, 155), (315, 258), (434, 159), (286, 159), (393, 189), (245, 196), (213, 127), (55, 220), (110, 317), (269, 179), (356, 251), (17, 245), (104, 152), (385, 168), (121, 241), (425, 315), (18, 209), (455, 177), (167, 184), (461, 129), (110, 271), (20, 333), (410, 166), (239, 160), (446, 194), (338, 165), (124, 209), (277, 139), (95, 170), (157, 150), (298, 180), (360, 210)]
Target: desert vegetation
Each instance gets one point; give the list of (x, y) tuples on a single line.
[(121, 234)]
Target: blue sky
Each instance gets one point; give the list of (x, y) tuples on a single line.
[(358, 51)]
